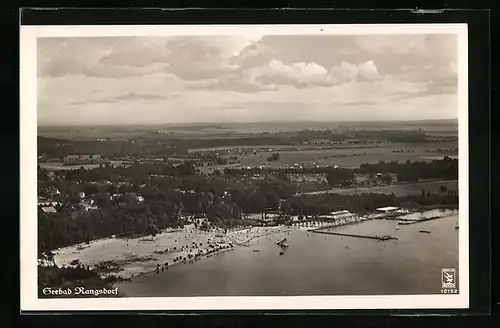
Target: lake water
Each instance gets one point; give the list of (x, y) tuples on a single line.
[(318, 264)]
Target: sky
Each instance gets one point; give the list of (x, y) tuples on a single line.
[(246, 78)]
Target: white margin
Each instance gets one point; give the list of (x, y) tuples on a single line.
[(28, 158)]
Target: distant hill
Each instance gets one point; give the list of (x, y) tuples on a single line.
[(196, 127), (48, 141), (197, 130)]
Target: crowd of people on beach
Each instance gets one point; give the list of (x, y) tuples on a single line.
[(185, 245)]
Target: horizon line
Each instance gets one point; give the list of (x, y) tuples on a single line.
[(236, 122)]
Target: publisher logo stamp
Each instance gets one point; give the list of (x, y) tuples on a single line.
[(448, 278)]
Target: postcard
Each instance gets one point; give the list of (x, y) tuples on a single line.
[(259, 167)]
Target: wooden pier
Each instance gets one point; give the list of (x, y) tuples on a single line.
[(354, 235), (413, 221)]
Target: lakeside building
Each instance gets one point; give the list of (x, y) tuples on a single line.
[(49, 209), (201, 163), (198, 219), (391, 209), (339, 215), (387, 209), (47, 202)]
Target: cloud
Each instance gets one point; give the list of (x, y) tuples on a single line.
[(447, 72), (138, 52), (389, 52), (136, 96), (101, 57), (423, 46), (430, 89), (190, 58), (231, 83), (354, 103), (297, 74), (191, 78), (256, 59), (300, 75), (368, 70), (346, 72), (345, 101), (256, 54), (126, 97)]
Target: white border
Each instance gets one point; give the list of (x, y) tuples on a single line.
[(28, 158)]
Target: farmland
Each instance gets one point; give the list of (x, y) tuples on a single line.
[(396, 189), (346, 157), (325, 157)]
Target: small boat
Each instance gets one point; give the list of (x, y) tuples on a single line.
[(255, 250), (456, 227), (281, 253), (283, 243), (424, 231)]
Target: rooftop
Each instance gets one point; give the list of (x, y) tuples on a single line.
[(387, 208), (49, 209), (339, 212)]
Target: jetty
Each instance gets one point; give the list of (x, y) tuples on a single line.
[(422, 219), (354, 235)]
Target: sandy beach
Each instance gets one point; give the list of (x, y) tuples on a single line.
[(126, 258)]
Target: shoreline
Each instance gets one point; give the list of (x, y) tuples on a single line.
[(159, 280), (127, 259), (166, 268), (246, 243)]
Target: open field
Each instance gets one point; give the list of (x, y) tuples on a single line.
[(325, 157), (397, 189), (344, 157)]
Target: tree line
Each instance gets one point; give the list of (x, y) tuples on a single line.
[(365, 203), (172, 193), (126, 217), (414, 171), (408, 171)]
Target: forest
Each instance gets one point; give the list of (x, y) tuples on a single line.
[(177, 193), (446, 169)]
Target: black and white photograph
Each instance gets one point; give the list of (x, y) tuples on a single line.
[(244, 167)]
